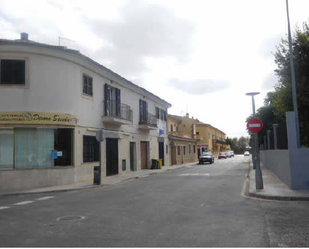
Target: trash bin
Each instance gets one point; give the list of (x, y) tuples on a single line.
[(160, 163), (96, 175), (154, 164)]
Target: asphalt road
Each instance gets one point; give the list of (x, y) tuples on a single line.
[(198, 205)]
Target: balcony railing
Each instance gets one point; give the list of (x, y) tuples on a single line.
[(117, 110), (220, 141), (150, 120)]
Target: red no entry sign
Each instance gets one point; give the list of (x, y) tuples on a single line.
[(254, 125)]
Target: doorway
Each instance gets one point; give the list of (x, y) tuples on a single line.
[(144, 155), (63, 140), (161, 152), (132, 156), (173, 155), (111, 156)]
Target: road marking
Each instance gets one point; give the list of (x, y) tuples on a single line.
[(3, 207), (143, 176), (45, 198), (195, 174), (22, 203)]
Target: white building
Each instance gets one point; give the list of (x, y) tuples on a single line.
[(52, 102)]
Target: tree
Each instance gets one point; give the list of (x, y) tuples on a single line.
[(279, 101), (283, 100)]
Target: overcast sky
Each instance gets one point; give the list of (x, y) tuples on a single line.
[(200, 56)]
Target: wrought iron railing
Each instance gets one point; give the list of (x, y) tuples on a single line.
[(219, 141), (150, 119), (118, 110)]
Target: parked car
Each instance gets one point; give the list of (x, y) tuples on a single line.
[(228, 155), (232, 153), (222, 155), (246, 153), (206, 157)]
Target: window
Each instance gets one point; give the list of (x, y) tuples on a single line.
[(184, 150), (31, 148), (197, 133), (189, 148), (13, 72), (6, 149), (193, 148), (143, 111), (178, 150), (171, 128), (166, 149), (158, 113), (87, 85), (91, 149), (112, 101)]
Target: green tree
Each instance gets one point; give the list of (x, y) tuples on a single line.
[(283, 100)]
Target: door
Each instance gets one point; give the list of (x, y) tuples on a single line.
[(111, 156), (161, 152), (63, 143), (173, 155), (132, 155), (144, 155)]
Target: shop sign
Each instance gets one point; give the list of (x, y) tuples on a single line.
[(33, 118)]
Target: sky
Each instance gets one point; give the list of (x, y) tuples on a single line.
[(201, 56)]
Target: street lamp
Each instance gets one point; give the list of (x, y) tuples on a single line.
[(293, 78), (255, 151)]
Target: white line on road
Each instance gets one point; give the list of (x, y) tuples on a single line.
[(23, 203), (195, 174), (3, 207), (45, 198)]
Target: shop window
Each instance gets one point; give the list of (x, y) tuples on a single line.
[(44, 146), (87, 85), (13, 72), (25, 148), (6, 149), (193, 148), (91, 149)]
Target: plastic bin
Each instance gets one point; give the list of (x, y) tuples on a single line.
[(154, 164), (96, 175)]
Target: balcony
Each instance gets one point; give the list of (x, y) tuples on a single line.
[(148, 123), (117, 113), (221, 142)]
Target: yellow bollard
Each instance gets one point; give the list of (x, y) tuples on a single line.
[(160, 163)]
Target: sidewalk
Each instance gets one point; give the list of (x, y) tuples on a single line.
[(111, 180), (274, 188)]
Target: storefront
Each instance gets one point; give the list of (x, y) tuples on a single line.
[(32, 140)]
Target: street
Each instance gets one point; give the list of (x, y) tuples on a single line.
[(197, 205)]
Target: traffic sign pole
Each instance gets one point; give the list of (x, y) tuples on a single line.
[(255, 125)]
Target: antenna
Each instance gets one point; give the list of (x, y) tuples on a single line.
[(62, 38)]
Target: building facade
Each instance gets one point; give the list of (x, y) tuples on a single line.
[(183, 146), (54, 100), (210, 139)]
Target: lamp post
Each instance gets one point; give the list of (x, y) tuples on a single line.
[(255, 152), (293, 78)]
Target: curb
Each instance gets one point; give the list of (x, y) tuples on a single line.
[(82, 188), (271, 197)]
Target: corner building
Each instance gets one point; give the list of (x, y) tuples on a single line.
[(53, 101)]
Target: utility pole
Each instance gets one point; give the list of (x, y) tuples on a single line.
[(295, 107), (256, 155)]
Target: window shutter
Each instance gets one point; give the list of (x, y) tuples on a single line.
[(146, 111), (118, 103), (141, 110)]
